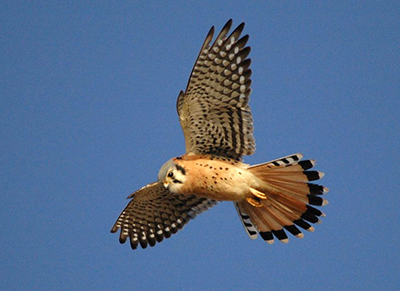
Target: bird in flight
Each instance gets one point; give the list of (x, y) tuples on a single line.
[(271, 198)]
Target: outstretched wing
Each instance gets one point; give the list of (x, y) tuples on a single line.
[(154, 213), (214, 111)]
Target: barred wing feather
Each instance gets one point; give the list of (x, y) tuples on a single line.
[(214, 111)]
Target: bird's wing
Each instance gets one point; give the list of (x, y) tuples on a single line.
[(214, 111), (154, 213)]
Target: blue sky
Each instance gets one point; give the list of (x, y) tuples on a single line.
[(87, 116)]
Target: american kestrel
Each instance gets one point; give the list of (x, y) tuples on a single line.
[(218, 127)]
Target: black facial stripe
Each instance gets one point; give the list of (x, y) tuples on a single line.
[(181, 169), (177, 181)]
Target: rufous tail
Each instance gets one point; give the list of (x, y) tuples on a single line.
[(283, 201)]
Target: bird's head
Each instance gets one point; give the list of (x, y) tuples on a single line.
[(172, 176)]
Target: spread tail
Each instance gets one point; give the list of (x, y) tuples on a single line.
[(283, 201)]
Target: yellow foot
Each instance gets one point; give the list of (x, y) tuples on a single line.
[(258, 194), (254, 202)]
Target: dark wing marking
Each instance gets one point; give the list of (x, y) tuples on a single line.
[(154, 213), (214, 111)]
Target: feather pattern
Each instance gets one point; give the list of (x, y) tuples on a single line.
[(154, 213), (289, 197), (247, 222), (214, 111)]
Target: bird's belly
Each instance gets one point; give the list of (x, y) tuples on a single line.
[(223, 192), (219, 181)]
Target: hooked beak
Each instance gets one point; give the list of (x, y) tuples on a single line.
[(166, 184)]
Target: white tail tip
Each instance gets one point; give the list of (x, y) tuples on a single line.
[(300, 235)]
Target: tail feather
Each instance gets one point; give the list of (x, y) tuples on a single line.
[(248, 225), (288, 199)]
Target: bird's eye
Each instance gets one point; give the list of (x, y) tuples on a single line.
[(170, 174)]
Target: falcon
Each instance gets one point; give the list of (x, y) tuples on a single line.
[(272, 198)]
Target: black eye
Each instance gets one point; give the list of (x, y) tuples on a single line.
[(170, 174)]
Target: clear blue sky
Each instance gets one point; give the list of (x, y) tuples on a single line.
[(87, 116)]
